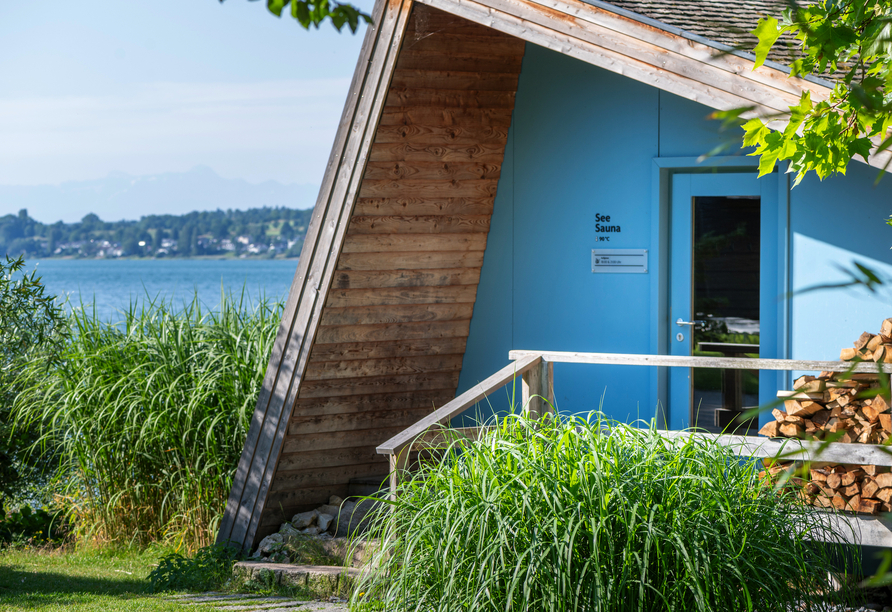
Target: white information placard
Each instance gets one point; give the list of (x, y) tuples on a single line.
[(619, 261)]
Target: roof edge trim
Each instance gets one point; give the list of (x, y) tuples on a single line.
[(655, 23)]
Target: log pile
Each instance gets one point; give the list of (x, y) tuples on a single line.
[(856, 488), (850, 406), (841, 407)]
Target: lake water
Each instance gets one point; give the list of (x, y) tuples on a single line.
[(114, 283)]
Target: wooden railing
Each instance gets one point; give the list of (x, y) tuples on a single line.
[(536, 369)]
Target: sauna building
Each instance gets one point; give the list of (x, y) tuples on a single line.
[(529, 174)]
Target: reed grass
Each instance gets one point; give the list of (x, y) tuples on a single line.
[(586, 514), (151, 415)]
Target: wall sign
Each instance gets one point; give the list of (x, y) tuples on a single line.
[(619, 261), (604, 227)]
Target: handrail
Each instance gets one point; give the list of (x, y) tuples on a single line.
[(460, 404), (793, 449), (727, 363)]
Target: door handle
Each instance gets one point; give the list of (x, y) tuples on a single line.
[(681, 322)]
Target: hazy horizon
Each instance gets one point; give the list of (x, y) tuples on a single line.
[(151, 88), (122, 196)]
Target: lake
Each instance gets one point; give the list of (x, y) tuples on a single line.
[(114, 283)]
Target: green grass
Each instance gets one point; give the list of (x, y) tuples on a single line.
[(600, 516), (79, 582), (150, 416)]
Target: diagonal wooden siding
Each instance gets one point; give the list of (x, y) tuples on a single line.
[(315, 271), (391, 338)]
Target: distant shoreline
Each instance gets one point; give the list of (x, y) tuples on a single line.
[(195, 258)]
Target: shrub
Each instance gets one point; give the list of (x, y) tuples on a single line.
[(25, 526), (151, 415), (209, 568), (32, 327), (578, 514)]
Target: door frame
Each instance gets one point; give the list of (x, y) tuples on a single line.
[(775, 246)]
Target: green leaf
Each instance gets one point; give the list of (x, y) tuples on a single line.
[(275, 6), (754, 133), (767, 32), (798, 114)]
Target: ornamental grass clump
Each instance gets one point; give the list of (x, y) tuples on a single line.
[(149, 416), (586, 514)]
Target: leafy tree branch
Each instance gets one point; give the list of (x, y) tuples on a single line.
[(851, 42), (313, 12)]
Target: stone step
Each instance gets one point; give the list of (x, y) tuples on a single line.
[(320, 580)]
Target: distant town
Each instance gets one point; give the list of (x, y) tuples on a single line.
[(258, 232)]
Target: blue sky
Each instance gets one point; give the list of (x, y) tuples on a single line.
[(91, 87)]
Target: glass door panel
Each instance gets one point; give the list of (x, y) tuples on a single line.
[(726, 234), (714, 301)]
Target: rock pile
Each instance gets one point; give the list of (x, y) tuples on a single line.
[(336, 519)]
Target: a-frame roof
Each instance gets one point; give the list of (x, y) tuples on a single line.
[(373, 332)]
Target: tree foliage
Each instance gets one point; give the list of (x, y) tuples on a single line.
[(313, 12), (32, 326), (848, 41), (190, 234)]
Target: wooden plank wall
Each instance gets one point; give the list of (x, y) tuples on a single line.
[(392, 334)]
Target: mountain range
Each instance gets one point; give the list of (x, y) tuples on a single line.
[(121, 196)]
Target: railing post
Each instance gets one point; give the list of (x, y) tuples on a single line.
[(398, 463), (537, 389), (547, 377)]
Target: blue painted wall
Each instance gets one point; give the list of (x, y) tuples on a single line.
[(582, 143), (834, 223)]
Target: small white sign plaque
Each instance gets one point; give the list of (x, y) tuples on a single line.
[(619, 261)]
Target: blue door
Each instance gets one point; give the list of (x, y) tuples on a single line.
[(723, 294)]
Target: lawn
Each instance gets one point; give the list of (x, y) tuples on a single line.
[(77, 582)]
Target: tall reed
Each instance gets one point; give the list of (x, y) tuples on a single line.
[(151, 415), (577, 514)]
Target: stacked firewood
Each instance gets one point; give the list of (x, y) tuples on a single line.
[(857, 488), (833, 403), (843, 407), (838, 402)]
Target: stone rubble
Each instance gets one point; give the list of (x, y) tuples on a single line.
[(336, 519)]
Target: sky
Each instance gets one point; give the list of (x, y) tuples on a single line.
[(144, 87)]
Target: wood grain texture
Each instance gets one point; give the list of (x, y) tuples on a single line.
[(410, 261), (485, 117), (374, 315), (333, 458), (414, 60), (342, 298), (460, 171), (357, 368), (396, 243), (362, 279), (338, 439), (339, 387), (488, 152), (404, 238), (434, 224), (389, 348), (446, 44), (442, 135), (424, 206), (460, 98), (368, 419), (403, 331), (312, 478), (353, 406)]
